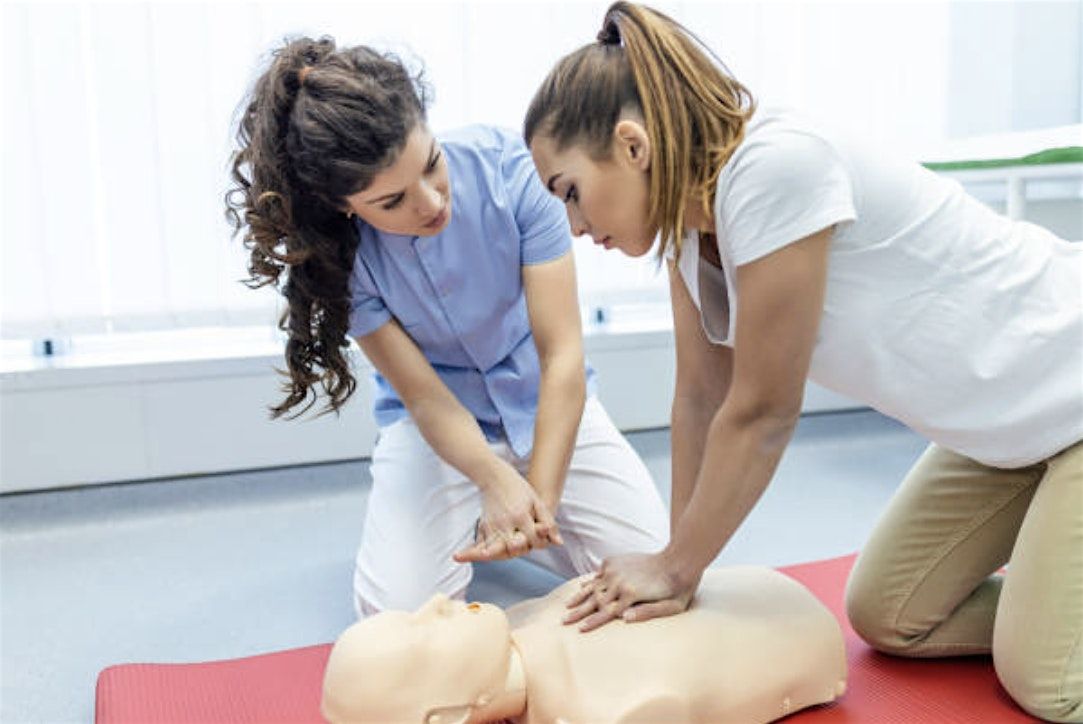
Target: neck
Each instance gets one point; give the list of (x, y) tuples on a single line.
[(694, 218), (511, 702)]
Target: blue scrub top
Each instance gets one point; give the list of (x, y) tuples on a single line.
[(459, 294)]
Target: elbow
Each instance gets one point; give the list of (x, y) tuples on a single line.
[(770, 423), (694, 409), (568, 372), (577, 386)]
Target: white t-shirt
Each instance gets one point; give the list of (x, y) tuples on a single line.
[(964, 325)]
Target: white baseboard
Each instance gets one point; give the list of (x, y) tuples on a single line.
[(105, 422)]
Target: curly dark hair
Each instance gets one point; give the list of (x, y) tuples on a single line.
[(317, 127)]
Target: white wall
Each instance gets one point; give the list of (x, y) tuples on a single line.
[(129, 155), (117, 137), (1014, 66), (72, 426)]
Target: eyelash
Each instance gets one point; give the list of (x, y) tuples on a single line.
[(428, 169), (572, 194)]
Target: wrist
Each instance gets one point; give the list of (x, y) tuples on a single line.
[(550, 501), (487, 474), (684, 573), (547, 491)]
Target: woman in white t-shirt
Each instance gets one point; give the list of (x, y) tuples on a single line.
[(794, 254)]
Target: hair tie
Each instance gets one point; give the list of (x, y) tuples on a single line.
[(609, 34)]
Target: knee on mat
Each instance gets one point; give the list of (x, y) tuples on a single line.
[(1057, 699), (876, 623)]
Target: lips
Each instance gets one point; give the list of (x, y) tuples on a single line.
[(437, 220), (606, 241)]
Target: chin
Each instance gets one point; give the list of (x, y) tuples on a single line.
[(637, 250), (427, 231)]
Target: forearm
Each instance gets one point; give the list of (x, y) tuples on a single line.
[(690, 420), (561, 396), (741, 454), (454, 435)]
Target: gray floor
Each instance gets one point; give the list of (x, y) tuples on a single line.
[(231, 565)]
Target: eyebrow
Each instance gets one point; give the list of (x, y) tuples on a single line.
[(393, 194), (552, 180)]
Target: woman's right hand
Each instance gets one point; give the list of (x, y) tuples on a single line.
[(514, 520)]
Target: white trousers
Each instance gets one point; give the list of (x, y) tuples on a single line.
[(421, 510)]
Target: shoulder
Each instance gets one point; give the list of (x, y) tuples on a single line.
[(494, 158), (780, 147), (786, 179), (491, 143)]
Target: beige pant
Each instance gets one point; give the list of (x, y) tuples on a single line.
[(926, 583)]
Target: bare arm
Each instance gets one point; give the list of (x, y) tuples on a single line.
[(781, 301), (445, 424), (454, 434), (703, 377), (553, 306)]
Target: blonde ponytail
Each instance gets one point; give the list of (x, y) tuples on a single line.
[(695, 112)]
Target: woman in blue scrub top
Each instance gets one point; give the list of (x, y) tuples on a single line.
[(451, 265)]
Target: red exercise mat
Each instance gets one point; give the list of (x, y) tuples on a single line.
[(888, 689), (285, 686), (281, 687)]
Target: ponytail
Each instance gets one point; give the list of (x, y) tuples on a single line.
[(318, 126), (694, 111)]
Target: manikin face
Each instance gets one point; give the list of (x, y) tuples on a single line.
[(412, 196), (432, 666), (607, 199)]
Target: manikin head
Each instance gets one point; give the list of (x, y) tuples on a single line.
[(440, 665), (631, 131)]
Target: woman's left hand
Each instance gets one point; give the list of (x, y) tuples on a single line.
[(634, 587)]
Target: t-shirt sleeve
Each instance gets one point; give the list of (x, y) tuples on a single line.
[(367, 309), (779, 191), (543, 226)]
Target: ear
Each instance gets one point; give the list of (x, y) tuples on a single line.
[(633, 145)]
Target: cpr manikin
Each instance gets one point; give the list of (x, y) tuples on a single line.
[(754, 646)]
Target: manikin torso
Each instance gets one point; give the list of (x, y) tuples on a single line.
[(754, 646)]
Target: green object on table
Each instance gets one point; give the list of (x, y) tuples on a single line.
[(1067, 154)]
